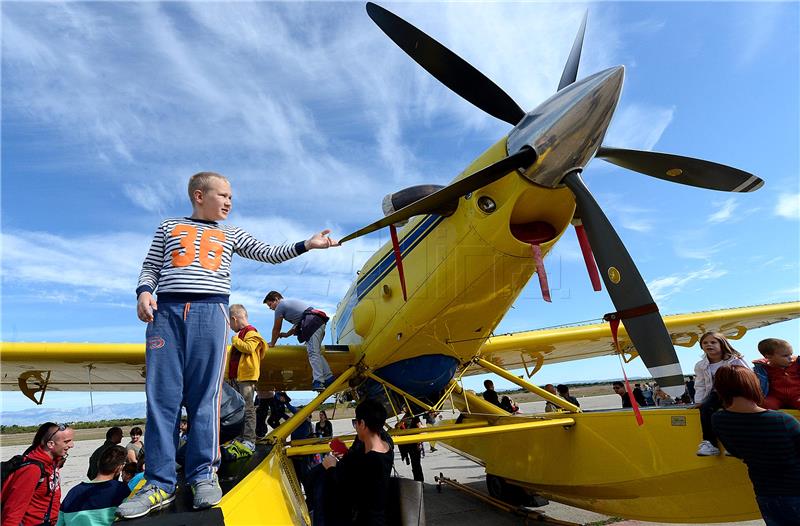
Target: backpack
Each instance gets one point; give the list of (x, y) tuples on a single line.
[(7, 467), (311, 320)]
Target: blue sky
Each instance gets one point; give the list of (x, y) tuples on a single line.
[(315, 115)]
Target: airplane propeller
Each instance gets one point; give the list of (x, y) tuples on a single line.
[(570, 72), (447, 67), (437, 200), (683, 170), (627, 289)]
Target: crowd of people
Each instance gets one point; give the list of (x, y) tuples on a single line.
[(189, 265), (737, 408)]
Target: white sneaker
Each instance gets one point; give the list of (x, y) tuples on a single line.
[(707, 449)]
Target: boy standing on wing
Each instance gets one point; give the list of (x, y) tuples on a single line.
[(189, 265)]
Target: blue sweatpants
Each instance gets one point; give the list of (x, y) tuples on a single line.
[(185, 359)]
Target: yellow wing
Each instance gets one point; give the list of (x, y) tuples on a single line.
[(533, 349), (35, 367)]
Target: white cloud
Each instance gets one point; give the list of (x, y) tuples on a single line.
[(788, 206), (336, 102), (102, 264), (757, 28), (107, 265), (788, 294), (694, 247), (638, 126), (725, 212), (628, 216), (664, 287)]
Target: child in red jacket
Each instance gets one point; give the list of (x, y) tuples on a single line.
[(779, 374)]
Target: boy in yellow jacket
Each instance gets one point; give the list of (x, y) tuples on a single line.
[(244, 366)]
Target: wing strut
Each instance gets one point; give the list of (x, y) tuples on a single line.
[(279, 435), (535, 389)]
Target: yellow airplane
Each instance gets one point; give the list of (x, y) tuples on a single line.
[(422, 312)]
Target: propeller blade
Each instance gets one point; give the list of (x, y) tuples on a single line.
[(447, 67), (571, 67), (523, 158), (628, 292), (683, 170)]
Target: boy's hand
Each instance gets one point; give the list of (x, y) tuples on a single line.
[(321, 240), (145, 307)]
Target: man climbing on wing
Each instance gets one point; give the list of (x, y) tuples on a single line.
[(308, 324)]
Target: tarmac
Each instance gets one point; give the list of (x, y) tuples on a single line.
[(448, 507)]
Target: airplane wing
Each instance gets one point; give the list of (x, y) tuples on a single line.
[(532, 349), (34, 367)]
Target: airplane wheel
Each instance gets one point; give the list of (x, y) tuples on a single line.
[(509, 493), (496, 486)]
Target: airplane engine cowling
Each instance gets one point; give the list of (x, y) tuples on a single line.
[(402, 198)]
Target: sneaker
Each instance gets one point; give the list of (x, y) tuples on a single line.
[(433, 449), (207, 493), (317, 386), (707, 449), (234, 450), (148, 498), (329, 381), (249, 445)]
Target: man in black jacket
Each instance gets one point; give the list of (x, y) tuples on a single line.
[(619, 388), (113, 438), (490, 395)]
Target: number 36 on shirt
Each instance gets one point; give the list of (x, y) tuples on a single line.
[(210, 249)]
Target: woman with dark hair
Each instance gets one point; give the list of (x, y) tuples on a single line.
[(356, 487), (135, 447), (323, 428), (767, 441)]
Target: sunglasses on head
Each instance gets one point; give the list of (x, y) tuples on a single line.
[(60, 427)]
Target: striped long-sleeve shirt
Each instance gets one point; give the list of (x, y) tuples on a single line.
[(190, 259)]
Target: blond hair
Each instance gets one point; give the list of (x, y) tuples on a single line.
[(237, 309), (202, 181)]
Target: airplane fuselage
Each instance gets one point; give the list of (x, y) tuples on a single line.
[(463, 272)]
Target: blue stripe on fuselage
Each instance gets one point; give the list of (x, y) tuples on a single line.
[(384, 266)]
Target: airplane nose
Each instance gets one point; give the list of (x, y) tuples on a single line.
[(610, 80), (566, 130)]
